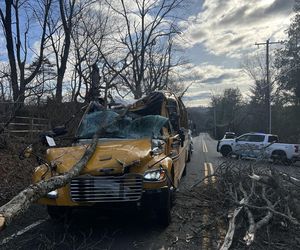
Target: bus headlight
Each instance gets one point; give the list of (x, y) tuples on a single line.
[(155, 175)]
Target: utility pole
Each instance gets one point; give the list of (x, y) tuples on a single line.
[(268, 85), (215, 121)]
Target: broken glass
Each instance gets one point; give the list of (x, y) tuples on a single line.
[(130, 126)]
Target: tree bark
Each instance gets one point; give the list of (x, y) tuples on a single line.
[(21, 202), (7, 23), (67, 26), (231, 228)]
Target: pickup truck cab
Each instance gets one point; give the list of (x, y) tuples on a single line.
[(254, 145)]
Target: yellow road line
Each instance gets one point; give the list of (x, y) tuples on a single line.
[(205, 172), (209, 170), (213, 178)]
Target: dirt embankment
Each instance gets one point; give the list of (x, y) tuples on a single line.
[(15, 174)]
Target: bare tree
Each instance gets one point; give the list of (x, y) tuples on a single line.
[(91, 38), (88, 35), (60, 28), (146, 28), (139, 61), (18, 44)]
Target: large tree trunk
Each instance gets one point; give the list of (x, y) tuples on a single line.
[(7, 23), (60, 78), (21, 202), (67, 26), (15, 45)]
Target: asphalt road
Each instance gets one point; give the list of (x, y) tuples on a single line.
[(204, 160), (126, 229)]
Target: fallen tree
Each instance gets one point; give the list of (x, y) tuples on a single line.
[(21, 202), (256, 201)]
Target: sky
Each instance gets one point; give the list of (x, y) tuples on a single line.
[(219, 35)]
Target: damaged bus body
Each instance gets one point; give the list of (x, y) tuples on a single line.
[(139, 159)]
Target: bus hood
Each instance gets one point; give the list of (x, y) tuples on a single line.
[(110, 157)]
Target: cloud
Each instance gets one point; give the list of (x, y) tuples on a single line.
[(279, 6), (199, 98), (208, 79), (224, 32), (227, 29), (231, 27), (217, 80)]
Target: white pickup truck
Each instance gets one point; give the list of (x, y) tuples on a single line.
[(254, 145)]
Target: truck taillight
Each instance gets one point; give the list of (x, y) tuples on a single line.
[(296, 149)]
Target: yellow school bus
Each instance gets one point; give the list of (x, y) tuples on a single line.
[(139, 159)]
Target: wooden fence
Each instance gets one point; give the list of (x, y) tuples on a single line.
[(22, 125)]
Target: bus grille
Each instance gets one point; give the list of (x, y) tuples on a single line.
[(107, 188)]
